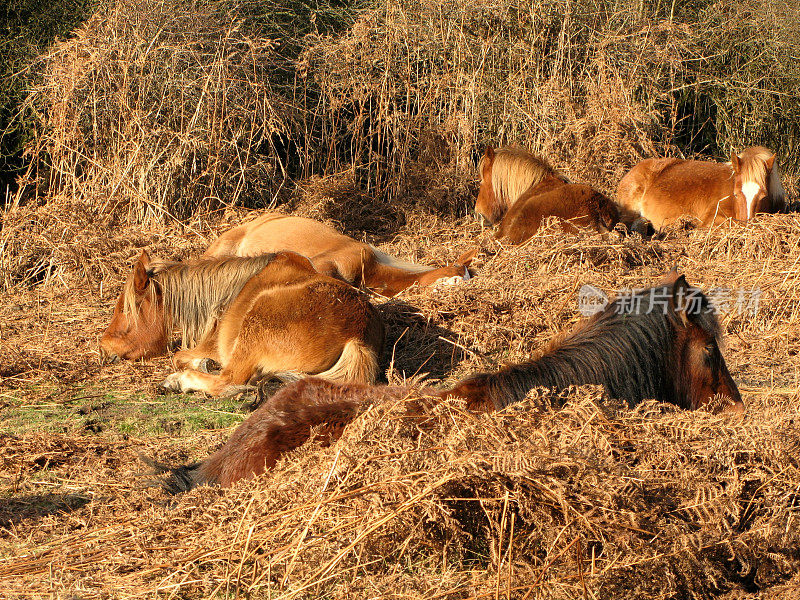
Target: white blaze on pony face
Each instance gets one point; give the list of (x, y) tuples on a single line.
[(750, 190)]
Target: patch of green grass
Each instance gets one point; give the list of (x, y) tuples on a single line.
[(89, 410)]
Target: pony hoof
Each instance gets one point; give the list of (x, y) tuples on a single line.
[(250, 402), (172, 383), (208, 365), (238, 390), (449, 281)]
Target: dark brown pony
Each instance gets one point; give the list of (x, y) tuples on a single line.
[(272, 315), (519, 190), (663, 189), (666, 347), (333, 254)]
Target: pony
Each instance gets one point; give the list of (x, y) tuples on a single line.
[(268, 316), (663, 189), (333, 254), (519, 190), (661, 343)]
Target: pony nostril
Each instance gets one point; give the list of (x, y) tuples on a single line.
[(108, 357)]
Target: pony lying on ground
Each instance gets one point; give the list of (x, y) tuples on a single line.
[(333, 254), (271, 315), (665, 348), (663, 189), (519, 190)]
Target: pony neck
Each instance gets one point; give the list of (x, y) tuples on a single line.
[(196, 293), (631, 358)]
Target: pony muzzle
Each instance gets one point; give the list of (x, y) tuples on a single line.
[(108, 356), (483, 219)]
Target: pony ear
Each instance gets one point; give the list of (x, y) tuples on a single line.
[(670, 277), (769, 163), (465, 259), (144, 258), (489, 154), (735, 162), (140, 277), (678, 301)]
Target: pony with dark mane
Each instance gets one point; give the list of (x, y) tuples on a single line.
[(663, 189), (660, 343), (333, 254), (267, 316), (519, 190)]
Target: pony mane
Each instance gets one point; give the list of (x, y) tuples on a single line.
[(514, 171), (753, 168), (195, 292), (627, 353)]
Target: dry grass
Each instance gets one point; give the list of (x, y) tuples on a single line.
[(156, 138), (155, 110), (165, 109), (590, 500), (644, 503)]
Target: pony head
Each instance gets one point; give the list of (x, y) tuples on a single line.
[(137, 328), (487, 207), (757, 184), (699, 369), (506, 175)]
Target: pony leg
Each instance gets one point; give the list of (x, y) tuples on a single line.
[(189, 359), (191, 380), (200, 356)]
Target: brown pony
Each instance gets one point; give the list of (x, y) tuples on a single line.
[(665, 347), (271, 315), (519, 190), (333, 254), (663, 189)]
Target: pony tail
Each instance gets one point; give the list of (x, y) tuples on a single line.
[(180, 479), (357, 364)]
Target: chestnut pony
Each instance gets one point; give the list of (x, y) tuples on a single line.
[(661, 343), (332, 253), (519, 190), (663, 189), (272, 315)]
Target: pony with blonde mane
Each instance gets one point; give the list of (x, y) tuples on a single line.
[(268, 316), (519, 190), (667, 349), (664, 189), (333, 254)]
